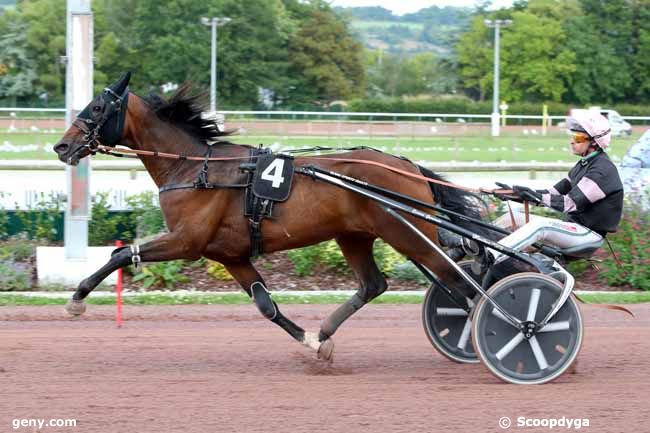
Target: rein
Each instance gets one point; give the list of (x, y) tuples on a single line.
[(202, 182), (127, 152)]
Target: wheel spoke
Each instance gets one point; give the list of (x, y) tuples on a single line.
[(532, 305), (459, 312), (499, 315), (464, 336), (556, 326), (510, 346), (537, 351)]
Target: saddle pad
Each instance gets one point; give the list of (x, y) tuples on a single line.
[(273, 177)]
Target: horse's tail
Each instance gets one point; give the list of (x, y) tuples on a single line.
[(459, 201)]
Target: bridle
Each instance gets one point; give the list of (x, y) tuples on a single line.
[(96, 115), (91, 135)]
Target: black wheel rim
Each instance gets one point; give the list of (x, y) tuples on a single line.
[(447, 322), (544, 355)]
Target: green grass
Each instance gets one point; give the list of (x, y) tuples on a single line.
[(12, 299), (466, 148), (616, 298)]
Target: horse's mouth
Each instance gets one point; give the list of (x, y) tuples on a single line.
[(77, 156)]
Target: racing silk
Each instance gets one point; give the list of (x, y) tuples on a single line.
[(591, 195)]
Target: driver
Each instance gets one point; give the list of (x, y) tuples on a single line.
[(590, 197)]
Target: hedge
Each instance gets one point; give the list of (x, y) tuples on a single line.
[(463, 105)]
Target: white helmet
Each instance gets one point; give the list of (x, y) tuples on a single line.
[(592, 123)]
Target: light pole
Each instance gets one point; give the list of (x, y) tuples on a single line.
[(496, 24), (214, 22)]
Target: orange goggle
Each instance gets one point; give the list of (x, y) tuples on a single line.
[(580, 137)]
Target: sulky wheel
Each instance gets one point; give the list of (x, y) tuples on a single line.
[(506, 351), (447, 322)]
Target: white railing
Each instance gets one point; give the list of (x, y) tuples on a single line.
[(122, 178), (33, 110), (135, 165), (346, 114)]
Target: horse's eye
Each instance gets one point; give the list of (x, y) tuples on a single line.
[(97, 108)]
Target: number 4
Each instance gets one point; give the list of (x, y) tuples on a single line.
[(273, 172)]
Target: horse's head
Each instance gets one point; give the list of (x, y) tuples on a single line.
[(101, 122)]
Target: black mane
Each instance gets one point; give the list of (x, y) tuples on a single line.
[(184, 109)]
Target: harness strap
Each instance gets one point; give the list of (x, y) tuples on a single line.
[(255, 207), (403, 172), (193, 185), (203, 174), (261, 209), (527, 211), (616, 259), (350, 160), (515, 226)]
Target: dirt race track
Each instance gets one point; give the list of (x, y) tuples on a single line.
[(225, 369)]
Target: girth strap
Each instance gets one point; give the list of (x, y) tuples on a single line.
[(261, 209), (255, 208)]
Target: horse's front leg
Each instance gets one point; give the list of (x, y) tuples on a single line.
[(251, 281), (170, 246)]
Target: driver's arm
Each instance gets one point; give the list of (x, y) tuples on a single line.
[(592, 187), (560, 188)]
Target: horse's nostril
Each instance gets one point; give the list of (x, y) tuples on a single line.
[(61, 148)]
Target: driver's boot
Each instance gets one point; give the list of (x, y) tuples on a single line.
[(453, 243)]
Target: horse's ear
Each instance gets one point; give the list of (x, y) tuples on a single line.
[(120, 85)]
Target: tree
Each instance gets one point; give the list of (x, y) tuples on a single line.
[(170, 43), (325, 59), (256, 50), (553, 9), (601, 41), (17, 75), (440, 16), (45, 42), (474, 52), (382, 73), (641, 51), (535, 61), (400, 75), (371, 13), (115, 42)]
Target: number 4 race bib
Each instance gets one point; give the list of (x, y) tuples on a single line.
[(273, 176)]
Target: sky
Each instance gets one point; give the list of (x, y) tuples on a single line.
[(401, 7)]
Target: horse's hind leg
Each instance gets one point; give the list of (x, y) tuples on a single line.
[(412, 246), (252, 282), (357, 250)]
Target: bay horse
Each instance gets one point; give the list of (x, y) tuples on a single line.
[(210, 222)]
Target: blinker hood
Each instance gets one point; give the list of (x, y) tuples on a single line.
[(108, 111)]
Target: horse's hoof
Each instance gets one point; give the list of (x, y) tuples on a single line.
[(326, 350), (75, 308)]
